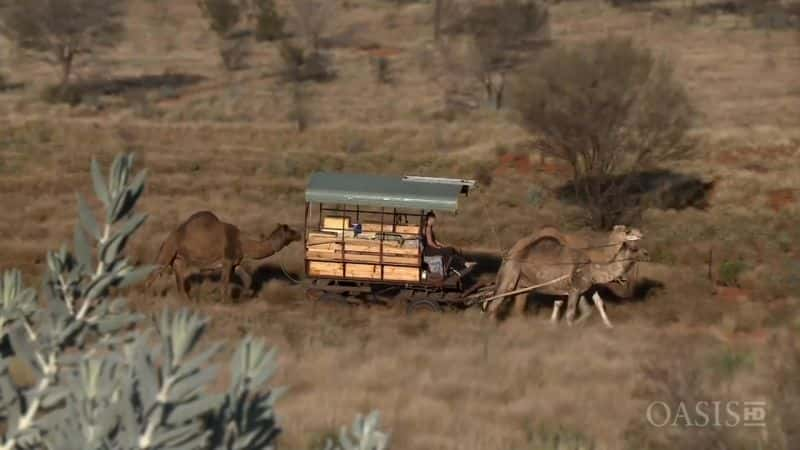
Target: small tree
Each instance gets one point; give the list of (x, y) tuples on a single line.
[(500, 34), (62, 30), (445, 12), (609, 109), (311, 19), (223, 17), (269, 23)]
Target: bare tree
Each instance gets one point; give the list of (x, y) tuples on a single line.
[(311, 19), (445, 13), (223, 18), (611, 110), (503, 34), (62, 30)]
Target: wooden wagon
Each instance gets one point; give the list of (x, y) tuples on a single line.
[(363, 241)]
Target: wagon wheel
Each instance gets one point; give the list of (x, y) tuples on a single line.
[(423, 305)]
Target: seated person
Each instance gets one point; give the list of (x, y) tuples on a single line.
[(432, 247)]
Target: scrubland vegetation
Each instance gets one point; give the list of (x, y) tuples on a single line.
[(681, 118)]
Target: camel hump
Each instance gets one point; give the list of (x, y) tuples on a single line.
[(551, 232), (201, 218), (542, 241)]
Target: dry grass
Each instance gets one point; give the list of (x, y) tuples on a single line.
[(452, 382)]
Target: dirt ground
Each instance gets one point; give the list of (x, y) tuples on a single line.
[(454, 381)]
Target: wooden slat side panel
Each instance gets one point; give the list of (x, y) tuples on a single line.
[(361, 257), (325, 268), (401, 273), (408, 229), (337, 222), (371, 271)]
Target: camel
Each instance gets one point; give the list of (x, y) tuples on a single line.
[(547, 255), (205, 242)]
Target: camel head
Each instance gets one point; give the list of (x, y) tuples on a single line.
[(629, 239), (631, 244), (284, 234)]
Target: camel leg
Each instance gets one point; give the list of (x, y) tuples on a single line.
[(556, 309), (520, 304), (598, 302), (247, 280), (227, 270), (506, 282), (178, 267), (572, 303), (584, 309), (152, 278)]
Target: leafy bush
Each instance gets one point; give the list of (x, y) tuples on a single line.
[(100, 383), (69, 94), (561, 438), (730, 271), (364, 434), (610, 109), (234, 52), (776, 16), (301, 65), (311, 19), (269, 23), (502, 35), (222, 15), (383, 69)]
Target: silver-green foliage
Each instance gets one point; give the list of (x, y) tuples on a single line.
[(364, 434), (100, 384)]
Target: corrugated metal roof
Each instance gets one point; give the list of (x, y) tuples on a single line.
[(383, 191)]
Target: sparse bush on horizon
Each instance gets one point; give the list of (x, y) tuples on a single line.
[(611, 110), (301, 65), (383, 69), (498, 37), (310, 19), (60, 32), (223, 16), (269, 24)]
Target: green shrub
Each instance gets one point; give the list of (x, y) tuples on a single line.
[(100, 383), (729, 272), (269, 23), (610, 109), (560, 438), (383, 69), (222, 15), (301, 65), (69, 94)]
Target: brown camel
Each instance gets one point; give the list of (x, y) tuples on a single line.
[(205, 242), (547, 255)]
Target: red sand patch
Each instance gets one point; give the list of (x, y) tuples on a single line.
[(514, 163), (779, 199), (554, 168), (731, 294), (729, 158), (759, 336)]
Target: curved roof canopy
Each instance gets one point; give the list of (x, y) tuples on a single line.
[(387, 191)]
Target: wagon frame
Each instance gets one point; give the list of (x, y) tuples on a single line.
[(352, 260)]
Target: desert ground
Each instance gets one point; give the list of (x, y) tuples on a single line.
[(222, 141)]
